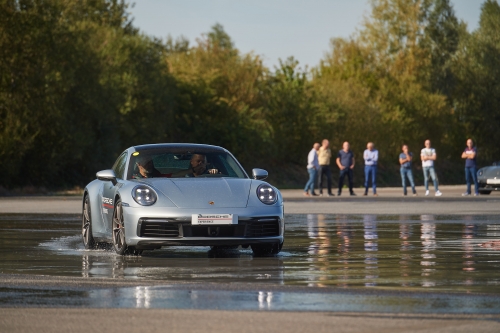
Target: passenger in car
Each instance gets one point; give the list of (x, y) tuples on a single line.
[(145, 168)]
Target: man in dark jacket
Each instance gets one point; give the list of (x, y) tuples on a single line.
[(345, 162)]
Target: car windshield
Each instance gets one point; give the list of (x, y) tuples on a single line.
[(167, 164)]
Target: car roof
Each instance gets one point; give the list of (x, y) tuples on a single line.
[(180, 147)]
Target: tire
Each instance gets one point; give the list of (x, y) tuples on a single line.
[(119, 242), (88, 239), (266, 249), (484, 192)]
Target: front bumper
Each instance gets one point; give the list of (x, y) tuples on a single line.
[(483, 186), (151, 227)]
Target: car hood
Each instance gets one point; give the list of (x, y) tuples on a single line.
[(491, 171), (204, 192)]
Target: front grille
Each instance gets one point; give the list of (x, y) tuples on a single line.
[(157, 228), (170, 228), (263, 228)]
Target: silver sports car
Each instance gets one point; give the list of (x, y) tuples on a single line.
[(489, 178), (181, 194)]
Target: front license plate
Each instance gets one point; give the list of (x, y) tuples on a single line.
[(492, 181), (211, 219)]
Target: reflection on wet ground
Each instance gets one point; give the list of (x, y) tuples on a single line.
[(189, 297), (400, 253), (440, 253)]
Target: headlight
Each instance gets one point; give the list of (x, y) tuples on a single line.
[(267, 194), (144, 195), (480, 173)]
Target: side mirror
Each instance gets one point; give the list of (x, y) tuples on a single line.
[(259, 174), (107, 175)]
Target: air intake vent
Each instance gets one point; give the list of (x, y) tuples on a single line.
[(157, 228), (263, 228)]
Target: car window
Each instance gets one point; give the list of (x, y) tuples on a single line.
[(119, 166), (178, 165)]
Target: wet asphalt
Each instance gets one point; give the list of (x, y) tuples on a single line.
[(359, 263), (393, 263)]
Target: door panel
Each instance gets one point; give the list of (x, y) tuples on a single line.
[(100, 224), (108, 205)]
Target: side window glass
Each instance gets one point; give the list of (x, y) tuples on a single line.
[(119, 166)]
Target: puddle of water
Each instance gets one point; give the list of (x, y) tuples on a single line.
[(431, 253)]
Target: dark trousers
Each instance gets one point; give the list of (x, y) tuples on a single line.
[(346, 172), (325, 170)]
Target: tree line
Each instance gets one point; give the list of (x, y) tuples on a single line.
[(79, 83)]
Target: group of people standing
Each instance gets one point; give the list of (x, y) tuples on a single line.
[(318, 166)]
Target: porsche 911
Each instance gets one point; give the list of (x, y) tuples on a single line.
[(182, 194)]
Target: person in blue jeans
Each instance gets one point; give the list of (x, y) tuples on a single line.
[(428, 156), (370, 156), (469, 155), (312, 169), (405, 159)]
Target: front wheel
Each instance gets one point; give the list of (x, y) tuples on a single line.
[(266, 249), (88, 238), (119, 242)]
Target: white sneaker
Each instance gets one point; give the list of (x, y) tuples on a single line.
[(427, 193), (438, 194)]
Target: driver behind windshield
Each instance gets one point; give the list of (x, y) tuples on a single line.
[(198, 167)]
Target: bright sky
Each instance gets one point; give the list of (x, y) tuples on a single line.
[(273, 29)]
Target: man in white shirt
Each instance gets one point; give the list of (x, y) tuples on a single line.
[(312, 169), (428, 156)]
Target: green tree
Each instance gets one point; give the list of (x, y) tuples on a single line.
[(442, 37), (57, 112), (381, 82), (477, 95), (218, 94), (288, 112)]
